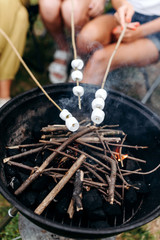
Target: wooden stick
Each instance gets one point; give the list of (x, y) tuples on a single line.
[(29, 152), (90, 139), (128, 146), (102, 132), (21, 165), (47, 170), (27, 68), (102, 142), (60, 185), (145, 173), (25, 146), (113, 174), (112, 56)]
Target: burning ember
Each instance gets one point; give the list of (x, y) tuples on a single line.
[(120, 157)]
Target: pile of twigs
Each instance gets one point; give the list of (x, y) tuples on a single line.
[(90, 158)]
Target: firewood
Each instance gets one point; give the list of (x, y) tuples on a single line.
[(101, 169), (90, 139), (34, 176), (24, 154)]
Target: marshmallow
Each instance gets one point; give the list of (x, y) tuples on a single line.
[(64, 114), (77, 64), (97, 116), (78, 91), (72, 124), (101, 93), (98, 103), (77, 75)]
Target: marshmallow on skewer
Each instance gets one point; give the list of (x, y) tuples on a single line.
[(72, 124), (101, 93), (98, 103), (70, 121), (77, 64), (64, 114), (97, 116), (78, 91), (77, 75)]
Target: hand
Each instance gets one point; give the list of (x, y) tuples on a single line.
[(132, 33), (124, 14), (96, 8)]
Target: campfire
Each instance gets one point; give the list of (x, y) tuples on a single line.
[(99, 180), (95, 168)]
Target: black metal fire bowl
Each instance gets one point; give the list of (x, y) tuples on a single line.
[(33, 110)]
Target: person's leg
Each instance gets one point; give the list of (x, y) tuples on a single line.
[(81, 16), (96, 34), (139, 53), (5, 87), (16, 29), (9, 63), (50, 12)]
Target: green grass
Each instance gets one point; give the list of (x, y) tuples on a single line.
[(141, 233), (11, 230)]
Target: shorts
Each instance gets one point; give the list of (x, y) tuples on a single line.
[(138, 17), (155, 38)]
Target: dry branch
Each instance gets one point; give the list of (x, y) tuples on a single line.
[(112, 177), (24, 154), (90, 139), (25, 146), (56, 127)]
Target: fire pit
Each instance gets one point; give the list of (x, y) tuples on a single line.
[(23, 117)]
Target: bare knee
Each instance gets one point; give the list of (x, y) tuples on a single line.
[(86, 42), (49, 10), (100, 58), (80, 14)]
